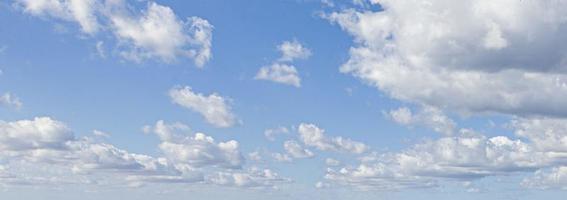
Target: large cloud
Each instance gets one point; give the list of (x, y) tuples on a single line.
[(312, 135), (500, 56), (153, 33), (466, 157), (215, 108), (45, 151)]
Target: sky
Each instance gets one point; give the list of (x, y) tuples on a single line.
[(283, 99)]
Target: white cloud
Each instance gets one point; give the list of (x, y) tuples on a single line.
[(311, 135), (472, 57), (158, 33), (282, 71), (9, 100), (80, 11), (153, 33), (427, 116), (466, 157), (216, 109), (39, 133), (197, 151), (546, 134), (279, 73), (282, 157), (332, 162), (555, 178), (271, 134), (292, 50), (294, 149), (253, 178)]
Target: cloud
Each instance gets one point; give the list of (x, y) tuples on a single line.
[(294, 149), (39, 133), (253, 178), (197, 151), (9, 100), (313, 136), (427, 116), (216, 109), (292, 50), (82, 12), (157, 33), (471, 57), (282, 157), (279, 73), (153, 33), (555, 178), (332, 162), (282, 71), (271, 134)]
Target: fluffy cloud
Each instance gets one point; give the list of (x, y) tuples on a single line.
[(311, 135), (279, 73), (216, 109), (197, 151), (476, 56), (51, 143), (157, 33), (271, 134), (39, 133), (428, 116), (79, 11), (65, 159), (292, 50), (294, 149), (153, 33), (466, 157), (9, 100), (282, 71), (253, 178), (332, 162), (555, 178)]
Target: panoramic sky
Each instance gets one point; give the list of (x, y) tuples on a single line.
[(283, 99)]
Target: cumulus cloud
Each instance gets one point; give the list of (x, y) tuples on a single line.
[(158, 33), (428, 116), (471, 56), (332, 162), (51, 143), (279, 73), (282, 71), (214, 108), (555, 178), (466, 157), (79, 11), (271, 134), (292, 50), (253, 178), (153, 33), (198, 150), (313, 136), (9, 100), (294, 149)]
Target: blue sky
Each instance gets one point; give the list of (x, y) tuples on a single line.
[(286, 99)]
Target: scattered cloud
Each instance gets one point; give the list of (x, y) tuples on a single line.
[(153, 33), (292, 50), (279, 73), (271, 134), (282, 71), (9, 100), (294, 149), (214, 108), (428, 116), (313, 136)]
